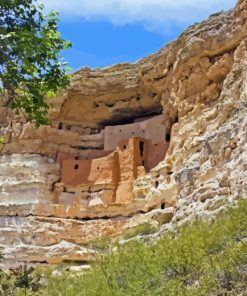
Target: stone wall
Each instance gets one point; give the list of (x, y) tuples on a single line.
[(89, 172), (200, 80), (88, 154), (153, 129), (118, 170), (133, 157), (156, 153)]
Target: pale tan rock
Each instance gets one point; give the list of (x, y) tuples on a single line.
[(163, 216), (199, 82)]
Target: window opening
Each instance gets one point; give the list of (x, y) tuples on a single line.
[(168, 137), (141, 147)]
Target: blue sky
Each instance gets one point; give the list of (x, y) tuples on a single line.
[(106, 32)]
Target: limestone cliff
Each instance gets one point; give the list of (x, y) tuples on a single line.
[(198, 82)]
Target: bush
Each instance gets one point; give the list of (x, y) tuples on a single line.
[(201, 259), (204, 258), (142, 229), (22, 281)]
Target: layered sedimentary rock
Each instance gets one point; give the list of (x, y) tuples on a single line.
[(198, 82)]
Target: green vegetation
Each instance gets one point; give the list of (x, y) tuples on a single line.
[(205, 258), (201, 259), (30, 64), (21, 282), (142, 229), (105, 244)]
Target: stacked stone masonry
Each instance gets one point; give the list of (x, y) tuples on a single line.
[(132, 157), (199, 84)]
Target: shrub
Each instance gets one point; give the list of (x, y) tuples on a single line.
[(204, 258), (142, 229), (200, 259)]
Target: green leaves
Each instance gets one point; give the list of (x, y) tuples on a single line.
[(30, 63), (204, 258)]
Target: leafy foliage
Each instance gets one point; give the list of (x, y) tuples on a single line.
[(109, 242), (22, 281), (141, 229), (30, 64), (7, 285), (201, 259), (205, 258), (24, 278)]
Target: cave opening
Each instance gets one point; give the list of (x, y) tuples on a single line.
[(127, 116), (76, 167), (163, 206)]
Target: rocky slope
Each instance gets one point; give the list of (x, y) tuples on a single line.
[(199, 82)]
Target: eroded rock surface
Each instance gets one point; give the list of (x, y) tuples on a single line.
[(199, 82)]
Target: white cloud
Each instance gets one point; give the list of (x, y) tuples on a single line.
[(153, 14)]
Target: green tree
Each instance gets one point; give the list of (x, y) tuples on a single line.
[(30, 64), (24, 279)]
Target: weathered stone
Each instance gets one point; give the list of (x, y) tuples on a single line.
[(200, 82), (163, 216)]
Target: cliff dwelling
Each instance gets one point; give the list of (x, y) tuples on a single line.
[(100, 167), (130, 151)]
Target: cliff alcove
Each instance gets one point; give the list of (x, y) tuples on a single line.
[(87, 176)]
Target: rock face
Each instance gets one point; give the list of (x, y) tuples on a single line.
[(199, 82)]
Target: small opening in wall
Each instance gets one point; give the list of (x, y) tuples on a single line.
[(76, 167), (77, 157), (163, 206), (143, 163), (60, 126), (120, 131), (141, 147), (110, 105), (98, 168), (168, 137), (124, 147), (156, 184)]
